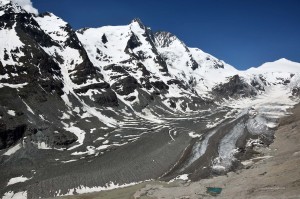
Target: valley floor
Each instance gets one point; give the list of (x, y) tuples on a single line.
[(273, 175)]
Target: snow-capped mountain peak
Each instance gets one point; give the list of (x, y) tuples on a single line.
[(139, 22), (55, 26), (279, 66)]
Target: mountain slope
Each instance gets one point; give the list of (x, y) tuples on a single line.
[(128, 55), (78, 106)]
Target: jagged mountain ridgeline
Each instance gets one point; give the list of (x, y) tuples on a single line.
[(107, 107)]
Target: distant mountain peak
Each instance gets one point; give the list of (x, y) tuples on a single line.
[(283, 60), (139, 21)]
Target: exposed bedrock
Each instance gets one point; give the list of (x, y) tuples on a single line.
[(234, 88)]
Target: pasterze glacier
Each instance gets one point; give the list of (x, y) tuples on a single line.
[(100, 108)]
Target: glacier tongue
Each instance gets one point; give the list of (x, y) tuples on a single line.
[(120, 104)]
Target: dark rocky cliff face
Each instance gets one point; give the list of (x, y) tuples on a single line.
[(43, 82), (234, 88)]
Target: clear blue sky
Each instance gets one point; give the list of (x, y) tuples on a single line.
[(243, 33)]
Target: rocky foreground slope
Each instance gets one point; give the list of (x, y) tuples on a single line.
[(88, 109)]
